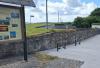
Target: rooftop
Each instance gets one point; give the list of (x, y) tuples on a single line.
[(18, 2)]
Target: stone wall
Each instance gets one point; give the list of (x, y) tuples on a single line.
[(45, 41)]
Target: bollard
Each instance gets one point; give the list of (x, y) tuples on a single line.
[(79, 40), (57, 47), (75, 41)]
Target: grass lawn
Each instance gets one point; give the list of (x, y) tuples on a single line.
[(35, 24), (44, 57), (34, 31), (31, 30)]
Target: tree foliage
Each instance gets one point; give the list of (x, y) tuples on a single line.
[(86, 22), (96, 15), (80, 22), (96, 12)]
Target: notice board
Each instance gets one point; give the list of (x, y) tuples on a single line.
[(10, 23)]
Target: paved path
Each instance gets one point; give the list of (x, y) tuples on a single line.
[(18, 62), (88, 51)]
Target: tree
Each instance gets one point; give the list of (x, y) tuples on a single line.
[(86, 22), (80, 22), (96, 15), (89, 20), (96, 12)]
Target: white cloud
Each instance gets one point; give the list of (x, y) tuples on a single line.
[(72, 3), (69, 9), (85, 9)]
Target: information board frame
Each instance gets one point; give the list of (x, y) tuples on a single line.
[(21, 22), (23, 29), (22, 14)]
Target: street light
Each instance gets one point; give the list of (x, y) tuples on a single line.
[(58, 16), (31, 16), (47, 13)]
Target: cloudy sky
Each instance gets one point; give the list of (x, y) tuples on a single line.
[(68, 10)]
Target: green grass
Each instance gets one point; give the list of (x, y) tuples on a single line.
[(44, 57), (35, 25), (31, 30), (36, 31)]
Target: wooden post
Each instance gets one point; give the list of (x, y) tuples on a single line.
[(24, 33)]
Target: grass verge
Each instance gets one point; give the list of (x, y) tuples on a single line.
[(44, 57)]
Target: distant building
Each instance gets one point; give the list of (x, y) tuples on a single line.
[(63, 26), (96, 25)]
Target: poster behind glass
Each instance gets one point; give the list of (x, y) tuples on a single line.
[(10, 24)]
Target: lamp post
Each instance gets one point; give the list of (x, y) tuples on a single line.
[(47, 13), (58, 16), (31, 16)]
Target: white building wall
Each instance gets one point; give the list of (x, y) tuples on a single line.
[(95, 26)]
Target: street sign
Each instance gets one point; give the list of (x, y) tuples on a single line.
[(20, 2)]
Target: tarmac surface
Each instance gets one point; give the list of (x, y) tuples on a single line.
[(88, 51), (18, 62)]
